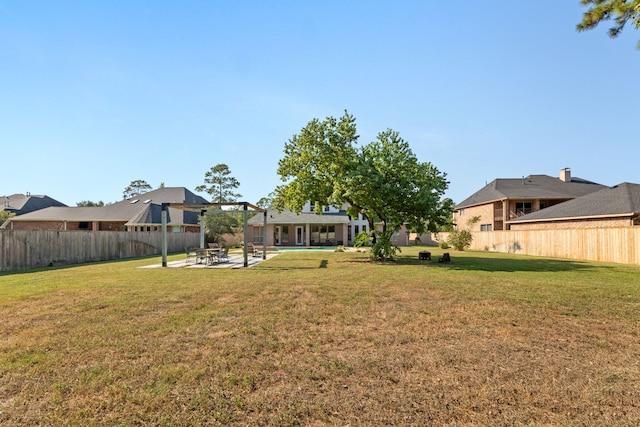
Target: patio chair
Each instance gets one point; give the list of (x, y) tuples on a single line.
[(224, 254), (201, 256), (191, 254), (258, 250)]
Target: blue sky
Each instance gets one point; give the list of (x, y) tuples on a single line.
[(97, 94)]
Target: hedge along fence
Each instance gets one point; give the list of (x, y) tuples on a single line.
[(621, 245), (25, 249)]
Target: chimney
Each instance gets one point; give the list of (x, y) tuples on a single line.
[(565, 174)]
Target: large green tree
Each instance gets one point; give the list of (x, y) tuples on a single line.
[(317, 164), (220, 184), (621, 11), (383, 180)]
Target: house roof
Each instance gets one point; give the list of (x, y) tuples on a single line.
[(620, 200), (531, 187), (290, 217), (24, 203), (143, 209)]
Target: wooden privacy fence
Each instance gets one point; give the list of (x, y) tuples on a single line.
[(25, 249), (620, 245)]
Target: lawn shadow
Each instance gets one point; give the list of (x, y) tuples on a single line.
[(490, 264)]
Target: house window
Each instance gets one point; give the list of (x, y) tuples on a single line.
[(461, 212), (523, 208), (485, 227), (323, 234), (83, 225)]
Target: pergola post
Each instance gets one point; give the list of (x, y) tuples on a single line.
[(165, 207), (245, 217), (202, 212)]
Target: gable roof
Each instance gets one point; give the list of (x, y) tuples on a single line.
[(143, 209), (21, 204), (531, 187), (620, 200), (290, 217)]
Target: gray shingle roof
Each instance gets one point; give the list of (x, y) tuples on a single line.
[(21, 204), (289, 217), (620, 200), (531, 187), (144, 209)]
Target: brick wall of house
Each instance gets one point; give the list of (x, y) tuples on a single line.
[(35, 225), (485, 212), (90, 226), (573, 225), (112, 226)]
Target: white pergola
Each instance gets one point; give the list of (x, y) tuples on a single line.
[(243, 207)]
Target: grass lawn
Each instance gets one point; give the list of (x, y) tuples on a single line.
[(323, 339)]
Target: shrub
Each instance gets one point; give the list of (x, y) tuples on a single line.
[(362, 239), (462, 238)]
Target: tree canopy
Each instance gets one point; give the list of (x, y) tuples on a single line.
[(383, 180), (220, 184), (5, 215), (621, 11), (136, 188), (89, 203)]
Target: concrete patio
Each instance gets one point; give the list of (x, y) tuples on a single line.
[(234, 261)]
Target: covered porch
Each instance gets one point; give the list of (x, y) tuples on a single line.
[(299, 230)]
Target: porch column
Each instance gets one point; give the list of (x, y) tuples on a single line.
[(264, 237), (345, 235), (307, 235), (505, 214)]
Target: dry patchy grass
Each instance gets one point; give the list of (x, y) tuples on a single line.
[(323, 339)]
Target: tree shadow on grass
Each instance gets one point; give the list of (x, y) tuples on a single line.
[(490, 264)]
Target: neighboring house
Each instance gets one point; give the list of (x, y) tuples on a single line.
[(617, 206), (21, 204), (331, 228), (140, 213), (503, 200)]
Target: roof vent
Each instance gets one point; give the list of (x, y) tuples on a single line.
[(134, 201), (146, 202)]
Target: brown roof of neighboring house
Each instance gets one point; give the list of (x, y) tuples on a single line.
[(620, 200), (531, 187)]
